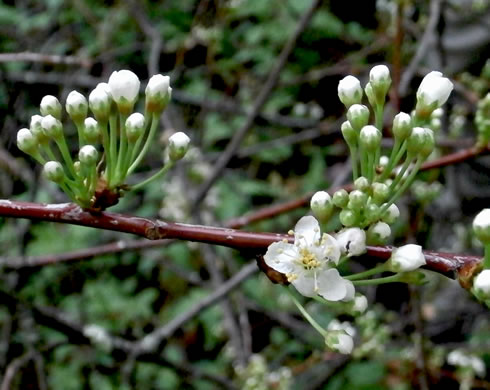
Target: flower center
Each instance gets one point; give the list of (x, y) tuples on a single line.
[(307, 259)]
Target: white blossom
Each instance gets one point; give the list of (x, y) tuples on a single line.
[(407, 258), (434, 90), (352, 241), (308, 263)]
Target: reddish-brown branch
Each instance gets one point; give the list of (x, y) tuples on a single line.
[(257, 243)]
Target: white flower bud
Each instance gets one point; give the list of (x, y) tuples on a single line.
[(350, 135), (158, 93), (437, 113), (358, 116), (481, 284), (391, 214), (37, 129), (135, 126), (402, 126), (380, 81), (52, 127), (91, 130), (433, 92), (378, 233), (26, 141), (53, 171), (370, 138), (407, 258), (421, 142), (481, 226), (88, 155), (383, 161), (76, 106), (360, 304), (379, 74), (361, 184), (124, 86), (380, 192), (349, 91), (352, 241), (100, 102), (321, 205), (178, 144), (50, 105)]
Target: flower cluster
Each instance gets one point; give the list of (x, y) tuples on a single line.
[(112, 143), (378, 183)]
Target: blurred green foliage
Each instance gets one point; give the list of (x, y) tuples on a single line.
[(218, 54)]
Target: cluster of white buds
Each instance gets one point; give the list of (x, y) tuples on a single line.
[(112, 144), (380, 180)]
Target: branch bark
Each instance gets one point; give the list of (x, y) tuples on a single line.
[(254, 243)]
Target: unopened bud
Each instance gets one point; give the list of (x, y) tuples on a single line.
[(178, 144), (407, 258), (37, 129), (321, 205), (52, 127), (53, 171), (26, 141), (100, 102), (50, 105), (340, 198), (402, 126), (370, 138), (350, 135), (481, 226), (76, 106), (350, 91), (91, 130), (361, 184), (378, 233), (158, 93), (358, 116), (391, 214), (88, 155), (124, 86), (135, 126)]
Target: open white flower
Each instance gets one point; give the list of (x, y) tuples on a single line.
[(308, 262), (341, 336)]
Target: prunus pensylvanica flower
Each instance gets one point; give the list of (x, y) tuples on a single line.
[(309, 263), (111, 145), (367, 212)]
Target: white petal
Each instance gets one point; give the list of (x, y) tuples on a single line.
[(305, 284), (307, 231), (350, 291), (330, 248), (331, 285), (345, 344), (280, 256)]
